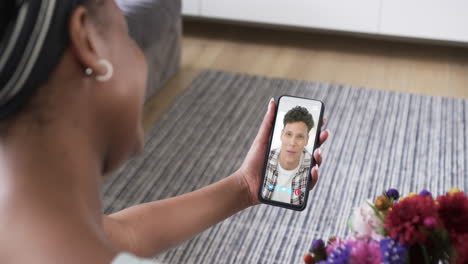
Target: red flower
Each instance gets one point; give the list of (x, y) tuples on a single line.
[(406, 219), (308, 259), (453, 212), (462, 250)]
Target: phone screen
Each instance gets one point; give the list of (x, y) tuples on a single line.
[(286, 177)]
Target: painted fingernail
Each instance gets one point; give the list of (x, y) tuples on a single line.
[(319, 151), (329, 133)]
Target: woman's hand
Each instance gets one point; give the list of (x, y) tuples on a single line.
[(180, 218), (251, 170)]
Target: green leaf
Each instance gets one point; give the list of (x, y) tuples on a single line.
[(350, 222), (424, 251), (376, 212), (381, 230)]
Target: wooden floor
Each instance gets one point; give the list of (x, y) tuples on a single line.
[(376, 64)]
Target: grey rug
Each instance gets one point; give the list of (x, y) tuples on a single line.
[(379, 140)]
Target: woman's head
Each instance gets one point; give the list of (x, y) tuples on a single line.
[(62, 83)]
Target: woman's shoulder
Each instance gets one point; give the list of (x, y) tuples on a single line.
[(127, 258)]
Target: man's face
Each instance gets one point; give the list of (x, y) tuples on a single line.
[(294, 138)]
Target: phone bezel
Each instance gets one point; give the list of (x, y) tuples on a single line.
[(317, 141)]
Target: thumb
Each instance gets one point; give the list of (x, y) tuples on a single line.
[(266, 126)]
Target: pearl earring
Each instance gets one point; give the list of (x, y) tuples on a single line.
[(109, 71), (89, 71)]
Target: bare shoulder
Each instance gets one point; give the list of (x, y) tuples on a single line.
[(45, 244)]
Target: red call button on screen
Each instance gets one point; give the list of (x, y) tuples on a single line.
[(297, 192)]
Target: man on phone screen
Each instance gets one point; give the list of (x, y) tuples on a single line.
[(288, 167)]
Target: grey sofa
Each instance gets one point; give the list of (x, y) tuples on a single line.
[(156, 25)]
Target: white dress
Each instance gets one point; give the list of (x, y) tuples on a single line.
[(126, 258)]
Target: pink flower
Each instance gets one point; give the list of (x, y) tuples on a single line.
[(362, 251), (364, 222), (365, 251), (430, 223)]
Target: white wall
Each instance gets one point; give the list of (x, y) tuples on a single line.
[(191, 7), (356, 15), (431, 19), (445, 20)]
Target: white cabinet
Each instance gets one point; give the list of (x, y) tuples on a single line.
[(191, 7), (431, 19), (423, 19), (356, 15)]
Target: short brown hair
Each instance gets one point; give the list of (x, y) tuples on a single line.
[(299, 114)]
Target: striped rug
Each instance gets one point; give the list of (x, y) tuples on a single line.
[(379, 140)]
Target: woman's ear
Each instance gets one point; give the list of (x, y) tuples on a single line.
[(85, 41)]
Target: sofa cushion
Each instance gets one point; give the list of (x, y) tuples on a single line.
[(156, 25)]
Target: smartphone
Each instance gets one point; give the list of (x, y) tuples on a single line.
[(295, 136)]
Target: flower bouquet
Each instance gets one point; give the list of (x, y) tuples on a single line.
[(418, 228)]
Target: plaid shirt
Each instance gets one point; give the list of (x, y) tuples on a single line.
[(299, 180)]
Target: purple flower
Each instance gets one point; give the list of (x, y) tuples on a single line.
[(392, 251), (318, 250), (392, 193), (340, 255), (425, 193), (317, 244)]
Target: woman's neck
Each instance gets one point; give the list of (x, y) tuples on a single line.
[(53, 166), (50, 195)]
